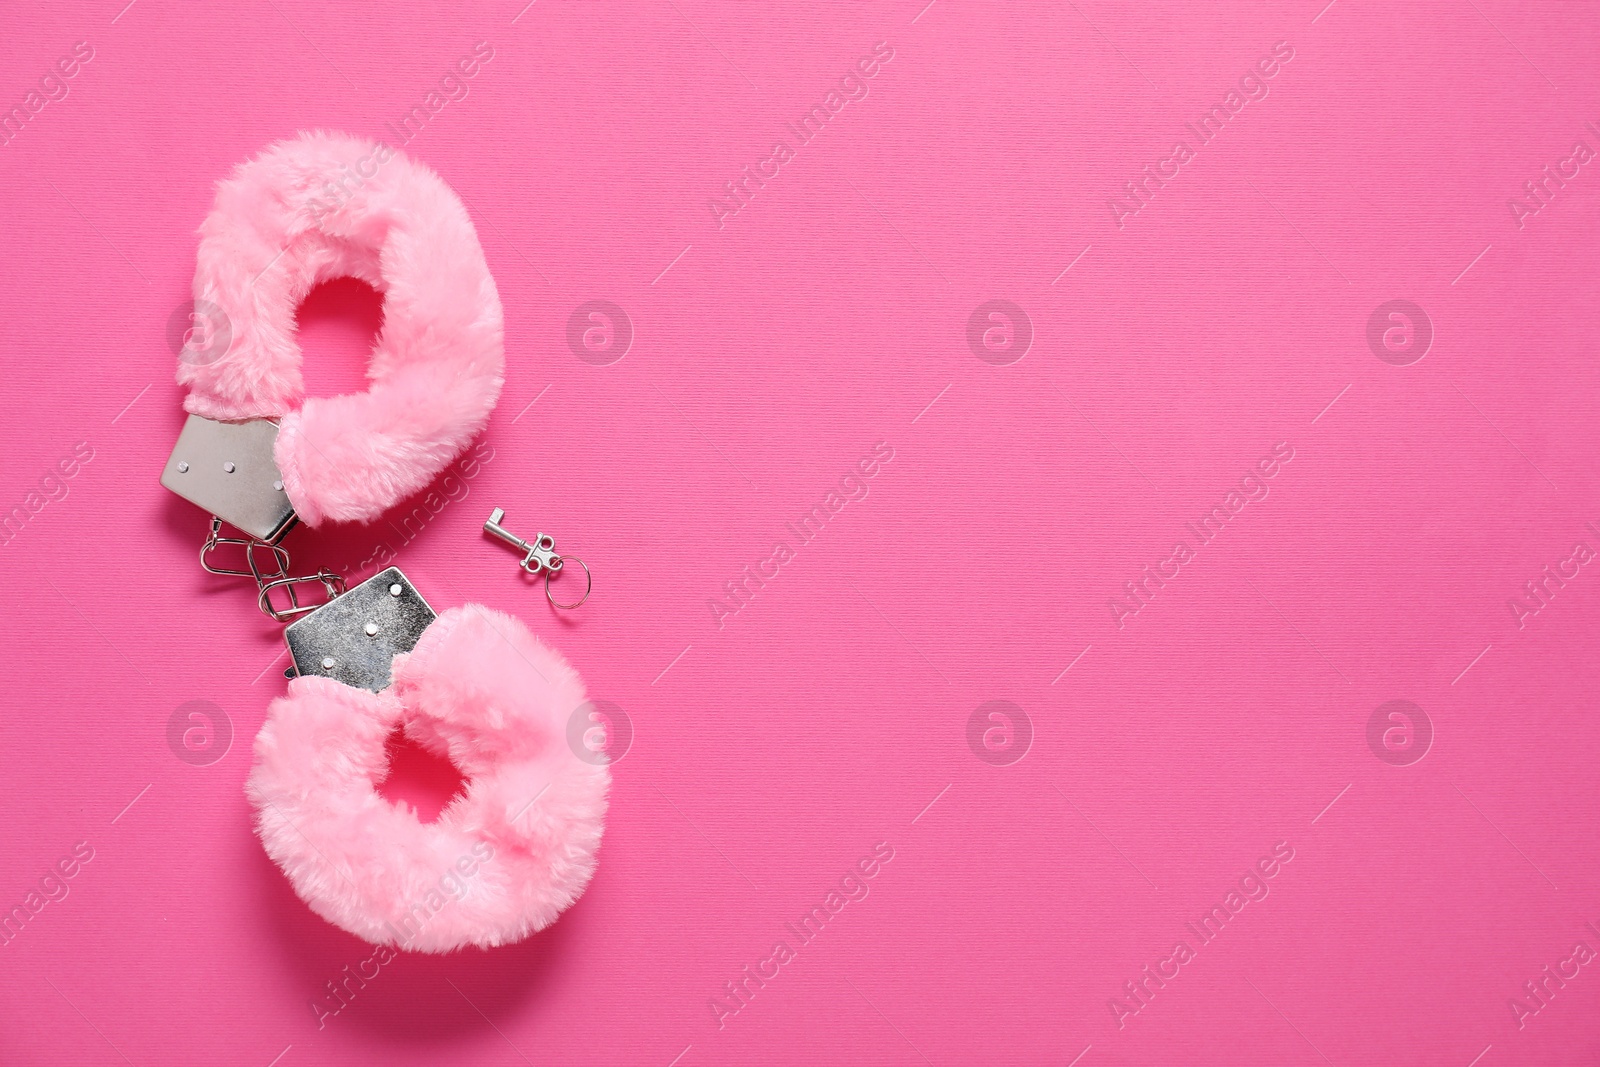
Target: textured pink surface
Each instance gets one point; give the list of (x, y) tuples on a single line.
[(777, 745)]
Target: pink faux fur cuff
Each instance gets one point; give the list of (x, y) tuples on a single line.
[(325, 206), (502, 860)]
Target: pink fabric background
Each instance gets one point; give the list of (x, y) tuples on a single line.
[(829, 713)]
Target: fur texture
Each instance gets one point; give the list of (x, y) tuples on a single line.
[(326, 206), (503, 859)]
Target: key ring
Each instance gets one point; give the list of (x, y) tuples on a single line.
[(552, 571), (541, 558)]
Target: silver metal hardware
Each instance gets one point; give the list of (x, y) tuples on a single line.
[(252, 564), (227, 469), (350, 635), (540, 558), (271, 573), (354, 637), (332, 585), (588, 584), (541, 551)]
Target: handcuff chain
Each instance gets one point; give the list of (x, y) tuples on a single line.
[(266, 581)]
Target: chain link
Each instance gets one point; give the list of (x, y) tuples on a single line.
[(268, 580)]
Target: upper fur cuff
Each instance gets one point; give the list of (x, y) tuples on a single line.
[(326, 206)]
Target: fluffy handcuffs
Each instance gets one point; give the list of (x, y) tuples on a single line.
[(472, 685)]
